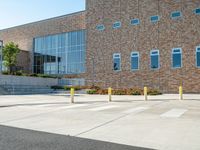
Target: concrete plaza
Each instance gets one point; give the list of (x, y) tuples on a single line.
[(162, 122)]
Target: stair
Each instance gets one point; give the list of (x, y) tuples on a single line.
[(24, 89)]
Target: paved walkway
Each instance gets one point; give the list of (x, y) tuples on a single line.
[(163, 122)]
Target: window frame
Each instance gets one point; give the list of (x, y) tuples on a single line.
[(114, 57), (100, 25), (197, 51), (138, 55), (135, 24), (195, 11), (62, 45), (154, 21), (177, 17), (181, 52), (158, 54), (120, 25)]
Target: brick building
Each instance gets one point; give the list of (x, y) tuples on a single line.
[(118, 43)]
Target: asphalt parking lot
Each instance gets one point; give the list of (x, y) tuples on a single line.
[(162, 122)]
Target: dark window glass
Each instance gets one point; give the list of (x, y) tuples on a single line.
[(177, 58), (198, 56), (154, 59), (198, 59), (154, 19), (197, 11), (134, 61), (154, 62), (135, 21), (116, 25), (176, 14), (100, 27), (61, 53), (117, 62)]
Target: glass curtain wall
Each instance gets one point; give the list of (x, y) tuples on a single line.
[(1, 57), (60, 54)]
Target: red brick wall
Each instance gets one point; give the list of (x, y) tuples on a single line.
[(164, 35), (23, 60)]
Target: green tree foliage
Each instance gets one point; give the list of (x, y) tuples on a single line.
[(10, 51)]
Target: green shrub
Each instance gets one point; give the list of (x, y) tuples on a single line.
[(5, 72), (102, 91), (131, 91), (95, 87), (119, 92), (154, 92), (19, 73), (92, 91), (135, 92), (33, 75), (46, 76), (57, 87), (67, 88), (76, 88)]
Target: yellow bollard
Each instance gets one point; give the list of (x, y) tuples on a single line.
[(145, 93), (72, 95), (180, 92), (110, 94)]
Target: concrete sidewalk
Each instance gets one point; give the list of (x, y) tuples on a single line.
[(163, 122)]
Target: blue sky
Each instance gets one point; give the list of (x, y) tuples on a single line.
[(17, 12)]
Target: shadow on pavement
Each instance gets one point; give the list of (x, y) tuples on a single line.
[(21, 139)]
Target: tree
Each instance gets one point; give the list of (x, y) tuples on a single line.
[(10, 51)]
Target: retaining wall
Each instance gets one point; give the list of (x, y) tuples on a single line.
[(22, 80)]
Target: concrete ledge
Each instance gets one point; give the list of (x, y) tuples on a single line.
[(23, 80)]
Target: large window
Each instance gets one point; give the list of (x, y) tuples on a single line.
[(198, 56), (134, 61), (60, 54), (2, 66), (155, 59), (117, 62), (176, 58)]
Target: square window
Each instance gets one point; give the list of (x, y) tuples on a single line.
[(154, 19), (117, 25), (197, 11), (135, 21), (176, 14), (100, 27), (198, 49)]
